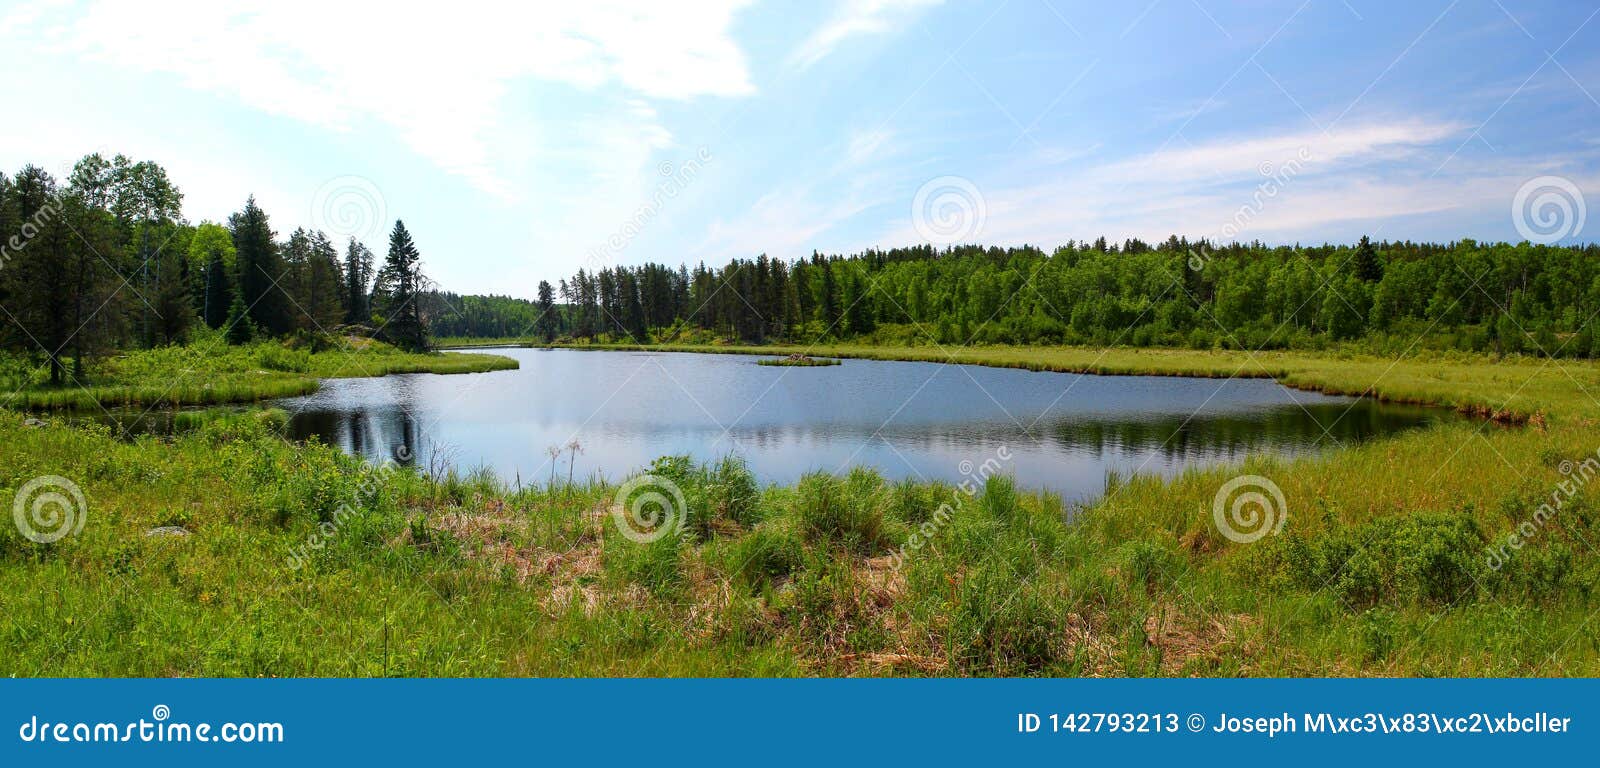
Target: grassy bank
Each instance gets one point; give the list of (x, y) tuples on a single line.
[(212, 374), (798, 361), (1387, 562)]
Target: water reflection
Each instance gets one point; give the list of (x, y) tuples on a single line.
[(1063, 431)]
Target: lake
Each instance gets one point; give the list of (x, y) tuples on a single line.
[(1056, 431)]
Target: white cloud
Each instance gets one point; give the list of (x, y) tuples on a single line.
[(1364, 172), (864, 146), (855, 18), (443, 77)]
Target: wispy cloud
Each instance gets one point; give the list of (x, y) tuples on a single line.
[(856, 18), (440, 76), (1312, 179)]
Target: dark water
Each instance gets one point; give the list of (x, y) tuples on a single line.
[(1056, 431)]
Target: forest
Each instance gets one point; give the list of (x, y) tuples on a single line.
[(104, 261), (1498, 298)]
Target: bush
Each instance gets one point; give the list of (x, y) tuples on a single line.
[(1432, 558), (1148, 565)]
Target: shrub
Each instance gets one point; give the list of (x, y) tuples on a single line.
[(1434, 558), (1148, 565)]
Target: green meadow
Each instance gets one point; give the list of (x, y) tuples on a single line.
[(1426, 553), (215, 373)]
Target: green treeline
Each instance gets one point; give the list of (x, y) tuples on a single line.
[(1497, 298), (104, 260)]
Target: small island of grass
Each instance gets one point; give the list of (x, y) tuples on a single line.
[(800, 361)]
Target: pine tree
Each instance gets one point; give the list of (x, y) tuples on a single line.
[(219, 291), (1368, 268), (321, 285), (357, 282), (260, 269), (545, 326), (240, 330), (400, 285), (830, 295)]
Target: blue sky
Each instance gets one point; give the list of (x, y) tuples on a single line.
[(522, 144)]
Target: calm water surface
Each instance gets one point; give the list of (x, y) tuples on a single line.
[(1062, 432)]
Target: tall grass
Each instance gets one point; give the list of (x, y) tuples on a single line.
[(213, 374), (302, 561)]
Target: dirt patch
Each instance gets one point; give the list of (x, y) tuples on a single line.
[(1194, 643)]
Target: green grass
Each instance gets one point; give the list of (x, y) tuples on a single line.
[(213, 374), (1380, 568), (799, 361)]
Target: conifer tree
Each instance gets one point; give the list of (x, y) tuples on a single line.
[(399, 285), (545, 326), (260, 267), (219, 292), (357, 282), (240, 330)]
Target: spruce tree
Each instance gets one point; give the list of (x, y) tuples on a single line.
[(400, 283), (260, 269), (546, 324), (830, 295), (219, 292), (240, 330), (1368, 268)]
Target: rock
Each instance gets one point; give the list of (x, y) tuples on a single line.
[(35, 423), (168, 530)]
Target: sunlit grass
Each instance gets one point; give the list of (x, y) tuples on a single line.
[(1379, 568), (212, 374)]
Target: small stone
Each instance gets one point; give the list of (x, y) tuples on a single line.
[(168, 530)]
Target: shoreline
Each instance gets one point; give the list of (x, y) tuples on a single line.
[(1308, 372)]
